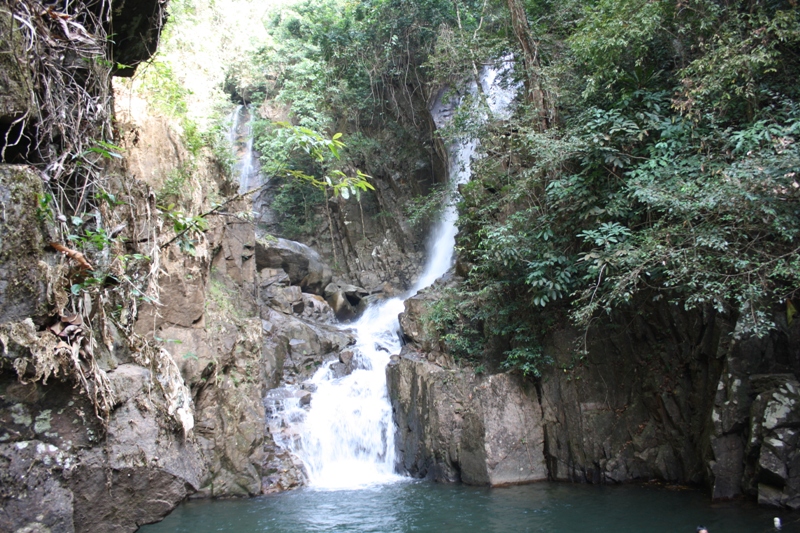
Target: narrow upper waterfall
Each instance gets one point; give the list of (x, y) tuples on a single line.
[(240, 136), (345, 438), (499, 92)]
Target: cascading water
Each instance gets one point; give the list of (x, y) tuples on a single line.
[(345, 438), (240, 136)]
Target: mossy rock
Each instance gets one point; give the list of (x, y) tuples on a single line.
[(23, 286), (15, 75)]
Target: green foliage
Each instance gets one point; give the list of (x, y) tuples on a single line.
[(174, 187), (673, 173), (318, 168), (527, 360), (487, 327), (186, 226), (614, 35), (165, 92), (454, 322), (422, 211), (295, 204), (105, 149), (44, 207)]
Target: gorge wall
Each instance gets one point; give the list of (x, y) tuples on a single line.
[(133, 374), (116, 406), (658, 395)]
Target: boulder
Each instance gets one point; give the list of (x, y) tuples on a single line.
[(302, 264), (412, 320), (347, 301), (316, 309), (454, 425)]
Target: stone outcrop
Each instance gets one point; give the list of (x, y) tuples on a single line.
[(62, 470), (301, 263), (773, 448), (136, 26), (669, 395), (347, 301), (455, 426), (23, 272)]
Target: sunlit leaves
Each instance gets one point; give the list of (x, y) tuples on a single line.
[(323, 151)]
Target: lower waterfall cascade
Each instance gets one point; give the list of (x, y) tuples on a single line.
[(345, 436)]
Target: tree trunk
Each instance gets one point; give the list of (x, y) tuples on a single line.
[(530, 55)]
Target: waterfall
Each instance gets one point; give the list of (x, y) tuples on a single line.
[(240, 136), (345, 438)]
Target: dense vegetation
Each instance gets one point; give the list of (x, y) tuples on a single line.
[(653, 156)]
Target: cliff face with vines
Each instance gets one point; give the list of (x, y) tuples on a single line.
[(137, 341), (98, 421)]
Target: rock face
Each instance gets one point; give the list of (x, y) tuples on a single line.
[(670, 395), (61, 471), (15, 74), (455, 426), (302, 264), (136, 26), (22, 270), (230, 331), (775, 419), (636, 404)]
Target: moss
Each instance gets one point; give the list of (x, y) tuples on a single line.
[(42, 423), (22, 271)]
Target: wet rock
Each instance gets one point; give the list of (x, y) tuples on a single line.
[(412, 321), (305, 399), (302, 264), (339, 370), (346, 356), (301, 346), (347, 301)]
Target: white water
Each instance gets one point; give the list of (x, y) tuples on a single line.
[(240, 136), (345, 438)]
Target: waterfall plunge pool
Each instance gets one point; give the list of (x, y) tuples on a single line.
[(341, 447), (419, 506)]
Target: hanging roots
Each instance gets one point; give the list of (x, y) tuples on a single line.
[(67, 135)]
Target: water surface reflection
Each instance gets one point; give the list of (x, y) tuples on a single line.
[(414, 506)]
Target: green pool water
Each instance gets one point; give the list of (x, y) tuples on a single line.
[(416, 506)]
